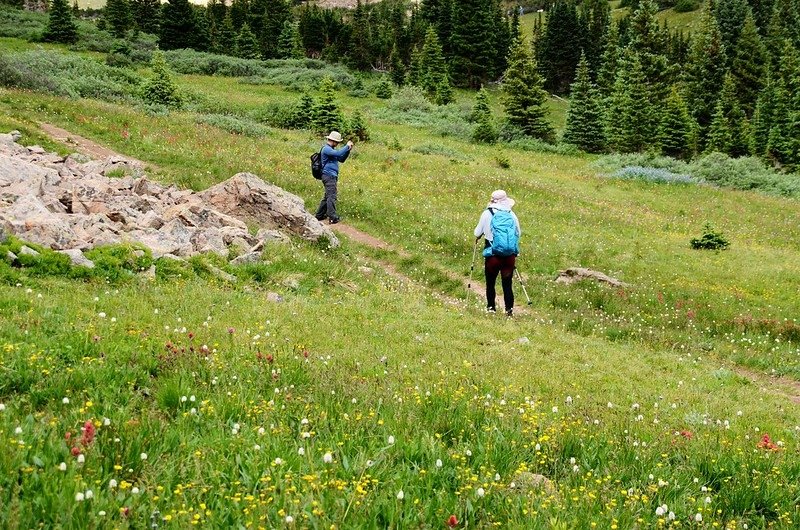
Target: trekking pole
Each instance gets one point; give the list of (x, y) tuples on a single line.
[(472, 267), (524, 290)]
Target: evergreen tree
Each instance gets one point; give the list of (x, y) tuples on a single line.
[(60, 25), (585, 126), (246, 44), (161, 89), (312, 30), (179, 28), (598, 16), (731, 15), (559, 61), (76, 10), (118, 17), (398, 69), (384, 89), (239, 12), (302, 115), (649, 42), (443, 93), (359, 53), (484, 131), (676, 128), (784, 138), (357, 127), (227, 36), (327, 116), (289, 44), (749, 65), (147, 15), (763, 117), (705, 71), (525, 97), (729, 130), (631, 120), (608, 63), (431, 71), (762, 12), (784, 24), (479, 42)]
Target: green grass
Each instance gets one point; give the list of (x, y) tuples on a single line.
[(640, 388)]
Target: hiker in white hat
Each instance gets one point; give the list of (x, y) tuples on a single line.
[(500, 229), (331, 157)]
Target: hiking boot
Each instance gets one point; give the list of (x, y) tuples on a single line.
[(490, 310), (322, 218), (334, 221), (510, 313)]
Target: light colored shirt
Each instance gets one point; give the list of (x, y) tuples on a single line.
[(484, 227)]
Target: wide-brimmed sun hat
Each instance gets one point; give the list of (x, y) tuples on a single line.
[(334, 136), (501, 200)]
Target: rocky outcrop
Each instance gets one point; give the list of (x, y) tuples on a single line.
[(72, 204), (576, 274)]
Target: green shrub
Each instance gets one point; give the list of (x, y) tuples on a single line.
[(357, 127), (502, 162), (161, 89), (685, 6), (744, 173), (235, 125), (384, 89), (710, 240), (115, 262)]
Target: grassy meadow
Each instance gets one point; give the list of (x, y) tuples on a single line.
[(366, 401)]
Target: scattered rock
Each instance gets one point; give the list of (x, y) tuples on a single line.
[(150, 273), (366, 270), (524, 340), (274, 297), (292, 282), (78, 259), (576, 274), (74, 203), (11, 257), (173, 257), (27, 251), (246, 259)]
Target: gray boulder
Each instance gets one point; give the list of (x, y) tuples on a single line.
[(78, 259)]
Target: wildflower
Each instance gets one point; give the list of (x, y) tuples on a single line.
[(698, 517), (143, 456), (555, 410), (708, 500), (327, 458), (468, 452), (101, 513), (572, 461), (304, 421), (278, 461), (568, 400), (112, 483), (101, 314), (257, 447), (370, 463), (671, 516), (400, 495), (62, 466), (79, 497), (81, 459), (106, 422), (391, 440), (65, 401), (135, 490), (301, 451), (18, 430), (659, 511), (289, 519), (261, 431), (452, 521), (439, 462), (610, 405), (2, 407), (480, 492), (89, 494), (88, 432)]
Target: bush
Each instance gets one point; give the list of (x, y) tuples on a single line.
[(410, 106), (745, 173), (384, 89), (161, 89), (710, 240), (191, 62), (279, 115), (651, 174), (235, 125), (66, 75)]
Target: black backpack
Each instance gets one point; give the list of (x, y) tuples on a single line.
[(316, 165)]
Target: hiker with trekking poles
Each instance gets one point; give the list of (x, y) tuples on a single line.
[(500, 229), (325, 167)]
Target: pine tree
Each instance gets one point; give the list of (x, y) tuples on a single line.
[(226, 37), (749, 65), (525, 97), (729, 130), (431, 70), (239, 12), (763, 118), (705, 71), (478, 43), (246, 44), (302, 115), (676, 128), (784, 139), (179, 28), (585, 127), (161, 89), (384, 89), (649, 42), (357, 127), (118, 16), (147, 15), (731, 15), (598, 15), (784, 24), (484, 131), (443, 93), (60, 25), (289, 44), (608, 63), (559, 61), (327, 116), (359, 55), (631, 119), (398, 69), (76, 10)]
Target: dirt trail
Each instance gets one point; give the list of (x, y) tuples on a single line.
[(778, 385), (84, 145)]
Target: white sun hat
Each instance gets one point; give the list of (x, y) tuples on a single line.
[(501, 200), (335, 136)]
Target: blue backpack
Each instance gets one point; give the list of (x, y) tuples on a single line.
[(505, 241)]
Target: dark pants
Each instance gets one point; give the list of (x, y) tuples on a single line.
[(327, 206), (504, 266)]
